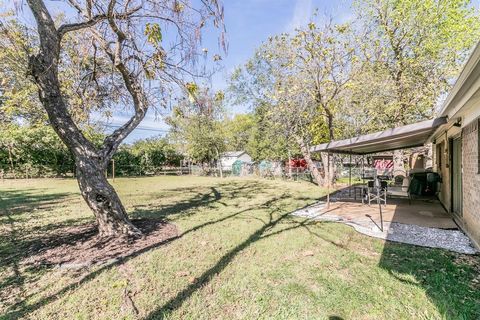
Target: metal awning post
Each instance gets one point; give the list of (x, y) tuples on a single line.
[(378, 186), (363, 169), (350, 177), (381, 217), (327, 175)]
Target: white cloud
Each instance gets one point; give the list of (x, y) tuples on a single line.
[(301, 14)]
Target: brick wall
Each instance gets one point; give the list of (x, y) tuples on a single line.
[(471, 180)]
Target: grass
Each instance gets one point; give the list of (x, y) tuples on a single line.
[(240, 255)]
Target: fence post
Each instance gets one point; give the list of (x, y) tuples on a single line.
[(113, 170)]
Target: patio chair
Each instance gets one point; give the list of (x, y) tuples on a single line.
[(377, 192)]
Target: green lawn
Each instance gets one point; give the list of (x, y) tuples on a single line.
[(240, 255)]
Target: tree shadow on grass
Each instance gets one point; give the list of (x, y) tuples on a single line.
[(16, 241), (450, 280), (208, 198), (275, 218), (207, 276), (199, 199), (26, 200), (23, 308), (212, 196)]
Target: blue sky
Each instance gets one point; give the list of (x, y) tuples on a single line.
[(248, 23)]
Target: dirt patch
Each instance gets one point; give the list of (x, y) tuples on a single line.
[(78, 247)]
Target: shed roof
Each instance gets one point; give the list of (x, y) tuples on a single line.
[(409, 136), (233, 154)]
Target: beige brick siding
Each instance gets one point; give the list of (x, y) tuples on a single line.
[(471, 180)]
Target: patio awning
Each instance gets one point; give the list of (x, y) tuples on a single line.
[(409, 136)]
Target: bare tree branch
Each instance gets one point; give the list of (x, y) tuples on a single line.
[(44, 68), (63, 29)]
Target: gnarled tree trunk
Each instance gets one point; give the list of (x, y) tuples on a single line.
[(304, 148), (102, 199), (90, 161), (329, 167)]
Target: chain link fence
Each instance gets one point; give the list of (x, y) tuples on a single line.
[(262, 169)]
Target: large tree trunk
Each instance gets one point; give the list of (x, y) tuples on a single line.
[(304, 148), (219, 163), (101, 197), (329, 162), (90, 161), (329, 167)]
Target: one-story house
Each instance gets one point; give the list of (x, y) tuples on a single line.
[(228, 158), (455, 136), (456, 146)]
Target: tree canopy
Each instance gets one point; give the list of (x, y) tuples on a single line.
[(411, 52), (127, 55), (392, 64), (197, 125)]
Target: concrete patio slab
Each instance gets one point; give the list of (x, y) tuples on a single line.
[(423, 223)]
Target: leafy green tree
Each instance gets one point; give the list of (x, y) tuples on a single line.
[(154, 153), (36, 150), (411, 51), (197, 125), (302, 78), (255, 134), (122, 61), (127, 163), (239, 131), (19, 96), (269, 140), (146, 156)]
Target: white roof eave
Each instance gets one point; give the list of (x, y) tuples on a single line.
[(412, 135)]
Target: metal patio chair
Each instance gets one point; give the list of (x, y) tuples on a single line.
[(377, 191)]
